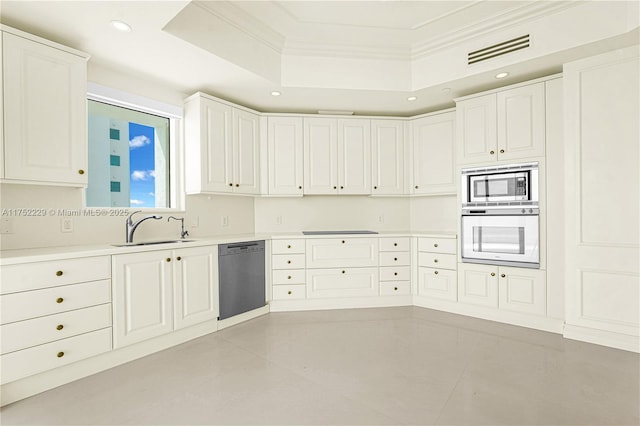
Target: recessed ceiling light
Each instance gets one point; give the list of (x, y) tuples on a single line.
[(502, 75), (275, 93), (412, 98), (121, 26)]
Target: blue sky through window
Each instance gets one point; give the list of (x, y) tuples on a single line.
[(142, 165)]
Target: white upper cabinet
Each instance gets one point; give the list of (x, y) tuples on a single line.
[(337, 156), (285, 150), (387, 157), (433, 153), (44, 111), (503, 126), (222, 147)]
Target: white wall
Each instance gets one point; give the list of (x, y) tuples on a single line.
[(434, 213)]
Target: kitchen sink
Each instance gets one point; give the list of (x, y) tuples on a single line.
[(149, 243)]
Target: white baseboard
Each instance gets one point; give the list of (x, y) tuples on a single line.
[(601, 337)]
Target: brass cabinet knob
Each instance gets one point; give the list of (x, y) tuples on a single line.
[(230, 184), (341, 187), (395, 274), (59, 327), (435, 245), (335, 187), (342, 241), (288, 245), (395, 289), (435, 272), (300, 187), (237, 185), (343, 272), (288, 277), (395, 244), (59, 273), (60, 354), (502, 275), (416, 186), (375, 187), (168, 259), (178, 258), (80, 172), (59, 300), (492, 152), (502, 151), (395, 259), (289, 292), (289, 262), (493, 274), (435, 260)]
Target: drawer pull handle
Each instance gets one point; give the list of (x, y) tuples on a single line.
[(178, 258), (288, 277), (80, 172), (435, 272), (59, 327), (395, 259), (288, 245), (230, 184), (435, 245), (492, 152), (59, 273), (395, 274), (342, 241), (59, 300), (375, 187), (416, 186), (493, 274), (300, 187), (343, 272), (288, 261), (237, 185), (60, 354), (435, 260), (168, 259), (335, 187), (395, 244), (502, 151), (289, 292), (395, 289), (502, 275)]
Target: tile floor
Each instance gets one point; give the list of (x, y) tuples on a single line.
[(391, 366)]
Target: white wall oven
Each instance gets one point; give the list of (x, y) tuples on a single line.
[(501, 237), (500, 186)]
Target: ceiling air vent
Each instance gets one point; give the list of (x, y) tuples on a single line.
[(498, 49)]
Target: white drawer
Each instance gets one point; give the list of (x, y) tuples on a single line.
[(288, 276), (395, 273), (27, 362), (289, 292), (338, 283), (395, 288), (395, 244), (437, 260), (438, 283), (30, 276), (287, 261), (342, 252), (287, 246), (437, 245), (391, 258), (25, 334), (37, 303)]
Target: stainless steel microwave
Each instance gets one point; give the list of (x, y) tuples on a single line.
[(500, 186)]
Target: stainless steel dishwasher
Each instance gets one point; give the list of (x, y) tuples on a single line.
[(241, 277)]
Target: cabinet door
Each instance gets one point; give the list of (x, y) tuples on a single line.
[(434, 154), (437, 283), (341, 252), (285, 155), (216, 147), (45, 113), (387, 157), (476, 130), (522, 290), (478, 284), (320, 156), (142, 296), (195, 276), (246, 146), (521, 122), (354, 156)]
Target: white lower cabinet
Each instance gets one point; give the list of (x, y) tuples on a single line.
[(288, 276), (437, 278), (144, 285), (518, 290), (53, 313), (395, 266)]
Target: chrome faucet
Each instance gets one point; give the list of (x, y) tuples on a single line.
[(183, 233), (131, 225)]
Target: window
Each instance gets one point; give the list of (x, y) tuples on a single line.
[(131, 156)]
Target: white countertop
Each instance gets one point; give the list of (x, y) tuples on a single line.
[(9, 257)]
